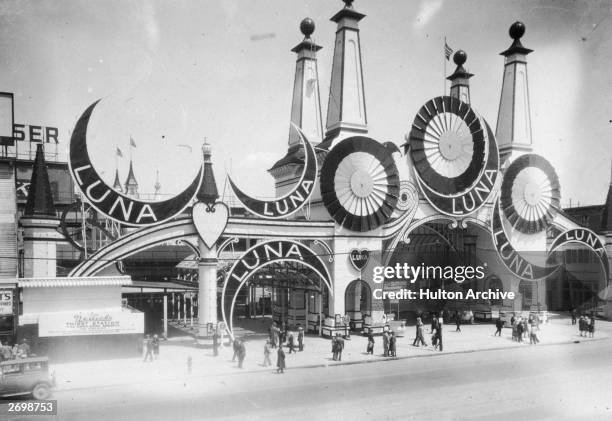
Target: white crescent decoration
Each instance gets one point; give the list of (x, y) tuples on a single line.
[(293, 201)]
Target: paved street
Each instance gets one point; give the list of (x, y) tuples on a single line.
[(567, 381)]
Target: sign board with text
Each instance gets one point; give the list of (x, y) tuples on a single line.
[(90, 323), (6, 302)]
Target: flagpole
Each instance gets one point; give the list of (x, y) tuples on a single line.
[(444, 59)]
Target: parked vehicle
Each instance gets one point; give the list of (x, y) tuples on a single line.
[(24, 376)]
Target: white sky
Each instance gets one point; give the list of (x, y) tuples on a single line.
[(172, 73)]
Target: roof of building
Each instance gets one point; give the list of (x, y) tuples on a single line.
[(40, 199)]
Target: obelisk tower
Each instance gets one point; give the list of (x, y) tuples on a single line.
[(346, 110), (513, 132)]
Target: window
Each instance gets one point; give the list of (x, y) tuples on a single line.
[(11, 368)]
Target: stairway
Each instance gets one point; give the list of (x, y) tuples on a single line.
[(8, 223)]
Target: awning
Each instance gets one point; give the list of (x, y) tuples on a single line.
[(73, 281), (189, 262), (145, 286)]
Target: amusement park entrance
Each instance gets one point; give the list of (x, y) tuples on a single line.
[(287, 293)]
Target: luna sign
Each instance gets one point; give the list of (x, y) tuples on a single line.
[(456, 162), (108, 201), (291, 202)]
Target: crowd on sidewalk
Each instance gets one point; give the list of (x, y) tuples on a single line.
[(16, 351)]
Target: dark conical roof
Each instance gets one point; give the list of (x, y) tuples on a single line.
[(40, 199), (117, 183), (131, 179), (208, 192)]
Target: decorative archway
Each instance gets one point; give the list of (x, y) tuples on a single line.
[(358, 300), (265, 254)]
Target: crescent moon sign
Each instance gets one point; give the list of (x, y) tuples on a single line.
[(510, 257), (292, 201), (111, 203)]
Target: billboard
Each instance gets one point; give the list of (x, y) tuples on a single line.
[(102, 322)]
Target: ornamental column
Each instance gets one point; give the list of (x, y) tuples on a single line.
[(207, 265), (513, 132), (346, 111)]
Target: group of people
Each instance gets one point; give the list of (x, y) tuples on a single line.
[(337, 347), (523, 327), (586, 326), (436, 332), (151, 348), (21, 350)]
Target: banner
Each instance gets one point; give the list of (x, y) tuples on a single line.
[(90, 323)]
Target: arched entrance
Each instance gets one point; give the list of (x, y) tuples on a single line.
[(358, 302), (293, 271)]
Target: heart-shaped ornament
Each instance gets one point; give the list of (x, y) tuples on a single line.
[(359, 258), (210, 221)]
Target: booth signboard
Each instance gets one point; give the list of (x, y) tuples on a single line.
[(6, 302), (90, 323)]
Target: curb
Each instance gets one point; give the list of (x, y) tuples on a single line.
[(331, 365)]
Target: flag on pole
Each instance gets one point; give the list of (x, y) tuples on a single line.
[(132, 143), (119, 153), (447, 50)]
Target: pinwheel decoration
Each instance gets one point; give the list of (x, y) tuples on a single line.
[(530, 194), (447, 145), (359, 183)]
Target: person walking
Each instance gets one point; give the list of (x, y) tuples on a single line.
[(385, 343), (591, 327), (573, 311), (499, 325), (280, 360), (392, 344), (434, 331), (370, 348), (458, 321), (241, 353), (419, 339), (334, 347), (148, 349), (216, 343), (519, 330), (291, 344), (339, 345), (300, 338), (156, 346), (267, 352), (236, 348), (438, 335)]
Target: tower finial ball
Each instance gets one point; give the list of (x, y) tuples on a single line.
[(460, 57), (307, 26), (517, 30)]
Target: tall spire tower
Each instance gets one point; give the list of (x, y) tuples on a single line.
[(513, 130), (306, 104), (117, 183), (131, 185), (460, 79), (346, 111), (305, 110)]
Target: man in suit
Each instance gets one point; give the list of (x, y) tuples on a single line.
[(499, 324), (339, 345), (300, 338)]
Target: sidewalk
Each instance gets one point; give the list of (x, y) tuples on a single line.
[(174, 353)]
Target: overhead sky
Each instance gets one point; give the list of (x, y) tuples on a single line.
[(172, 73)]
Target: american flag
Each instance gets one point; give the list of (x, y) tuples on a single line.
[(119, 153), (447, 50), (133, 144)]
